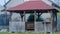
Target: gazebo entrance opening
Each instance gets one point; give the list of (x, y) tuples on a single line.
[(30, 21)]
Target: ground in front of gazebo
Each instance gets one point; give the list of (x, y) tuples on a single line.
[(26, 33)]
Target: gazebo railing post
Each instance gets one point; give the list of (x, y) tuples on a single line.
[(10, 21), (44, 27), (51, 22), (56, 21)]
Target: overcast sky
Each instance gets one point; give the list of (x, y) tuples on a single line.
[(2, 2)]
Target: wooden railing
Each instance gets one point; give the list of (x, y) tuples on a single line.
[(29, 26)]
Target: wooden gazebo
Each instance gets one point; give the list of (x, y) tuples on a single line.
[(36, 7)]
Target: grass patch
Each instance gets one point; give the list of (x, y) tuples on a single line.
[(57, 33), (26, 33)]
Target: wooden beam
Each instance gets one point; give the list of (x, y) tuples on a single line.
[(24, 17), (35, 20), (10, 16), (51, 21)]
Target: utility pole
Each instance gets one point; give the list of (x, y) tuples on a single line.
[(5, 20), (4, 13)]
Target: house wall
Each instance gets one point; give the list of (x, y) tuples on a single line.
[(14, 3), (57, 2), (47, 2)]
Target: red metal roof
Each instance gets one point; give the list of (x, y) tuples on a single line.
[(32, 5)]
